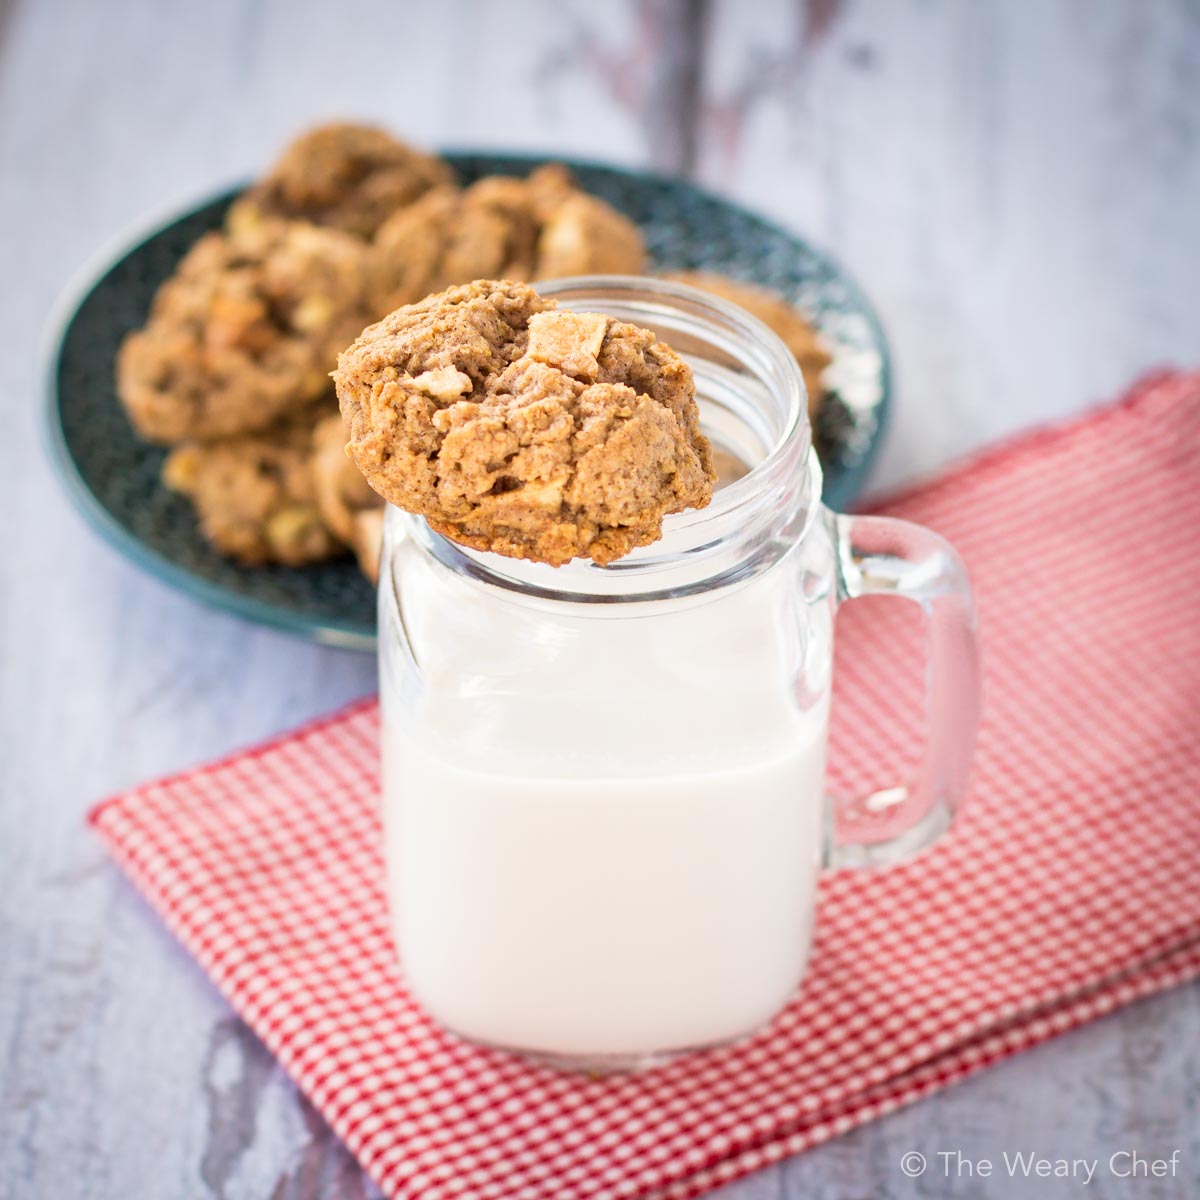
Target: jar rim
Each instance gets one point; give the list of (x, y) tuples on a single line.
[(748, 524), (759, 333)]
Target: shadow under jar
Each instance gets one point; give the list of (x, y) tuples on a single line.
[(603, 798)]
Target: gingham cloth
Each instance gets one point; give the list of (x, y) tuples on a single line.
[(1070, 885)]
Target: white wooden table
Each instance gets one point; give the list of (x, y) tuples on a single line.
[(1016, 184)]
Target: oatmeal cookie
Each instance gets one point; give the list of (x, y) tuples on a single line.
[(587, 237), (795, 330), (728, 466), (541, 227), (341, 491), (350, 176), (254, 496), (580, 234), (368, 541), (446, 237), (517, 428), (244, 332)]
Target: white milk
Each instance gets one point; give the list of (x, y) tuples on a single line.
[(604, 841)]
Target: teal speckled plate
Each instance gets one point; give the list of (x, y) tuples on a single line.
[(114, 477)]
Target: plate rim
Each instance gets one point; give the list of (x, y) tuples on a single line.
[(349, 635), (345, 634)]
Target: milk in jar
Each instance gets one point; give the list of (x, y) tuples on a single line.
[(608, 847)]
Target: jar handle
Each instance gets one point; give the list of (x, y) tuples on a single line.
[(881, 556)]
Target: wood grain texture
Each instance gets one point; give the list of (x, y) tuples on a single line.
[(1016, 184)]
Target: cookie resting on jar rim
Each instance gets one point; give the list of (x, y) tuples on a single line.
[(604, 792)]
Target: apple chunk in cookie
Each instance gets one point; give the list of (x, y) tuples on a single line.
[(514, 427)]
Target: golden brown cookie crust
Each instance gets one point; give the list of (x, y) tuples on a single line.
[(345, 175), (792, 326), (516, 428), (254, 496), (244, 333)]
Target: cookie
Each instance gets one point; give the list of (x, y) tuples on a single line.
[(368, 540), (578, 233), (511, 202), (446, 237), (254, 496), (516, 428), (793, 328), (348, 176), (244, 333), (341, 491), (541, 227), (728, 466)]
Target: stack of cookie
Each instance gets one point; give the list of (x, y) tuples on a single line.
[(232, 367)]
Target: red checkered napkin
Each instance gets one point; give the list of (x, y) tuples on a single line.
[(1070, 885)]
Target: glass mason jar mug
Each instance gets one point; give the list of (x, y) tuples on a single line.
[(604, 802)]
